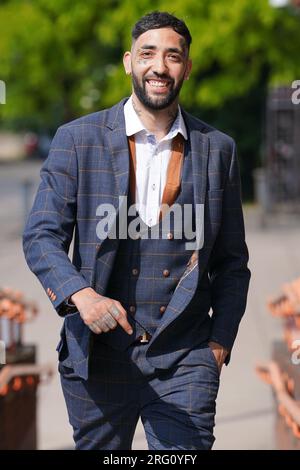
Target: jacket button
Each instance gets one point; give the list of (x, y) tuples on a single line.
[(135, 271), (166, 273), (162, 309), (132, 308), (170, 236), (98, 246)]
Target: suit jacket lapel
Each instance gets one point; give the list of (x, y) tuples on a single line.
[(199, 154), (118, 146), (199, 148)]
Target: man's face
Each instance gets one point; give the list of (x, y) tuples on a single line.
[(158, 63)]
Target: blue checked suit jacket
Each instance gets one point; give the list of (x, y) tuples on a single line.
[(88, 165)]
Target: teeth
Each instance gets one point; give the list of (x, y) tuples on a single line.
[(157, 83)]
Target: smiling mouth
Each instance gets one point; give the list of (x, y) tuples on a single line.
[(159, 85)]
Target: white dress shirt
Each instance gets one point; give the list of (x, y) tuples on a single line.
[(152, 159)]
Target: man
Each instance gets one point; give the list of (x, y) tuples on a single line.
[(137, 339)]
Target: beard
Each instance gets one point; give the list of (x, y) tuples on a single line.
[(157, 103)]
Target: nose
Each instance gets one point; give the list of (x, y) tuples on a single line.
[(159, 65)]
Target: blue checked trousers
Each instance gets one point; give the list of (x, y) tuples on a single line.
[(177, 406)]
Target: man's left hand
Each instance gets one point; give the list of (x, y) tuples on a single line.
[(219, 352)]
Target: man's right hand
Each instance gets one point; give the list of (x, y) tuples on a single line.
[(101, 314)]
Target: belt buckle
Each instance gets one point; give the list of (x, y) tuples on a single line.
[(145, 338)]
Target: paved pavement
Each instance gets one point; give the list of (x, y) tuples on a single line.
[(245, 412)]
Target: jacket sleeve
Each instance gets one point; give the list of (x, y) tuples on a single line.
[(49, 227), (229, 274)]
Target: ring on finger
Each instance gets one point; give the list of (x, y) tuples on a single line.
[(110, 321), (114, 311), (99, 324)]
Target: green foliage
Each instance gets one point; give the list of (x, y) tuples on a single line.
[(53, 59), (63, 58)]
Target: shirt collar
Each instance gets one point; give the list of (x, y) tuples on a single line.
[(134, 125)]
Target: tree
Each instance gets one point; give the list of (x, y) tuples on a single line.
[(53, 60), (63, 58)]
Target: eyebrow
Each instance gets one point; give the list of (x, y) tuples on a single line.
[(153, 48)]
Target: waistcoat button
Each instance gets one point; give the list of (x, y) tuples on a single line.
[(170, 236), (166, 273), (162, 309)]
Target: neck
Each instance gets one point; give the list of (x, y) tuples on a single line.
[(158, 122)]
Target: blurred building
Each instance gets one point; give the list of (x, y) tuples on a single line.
[(282, 150), (277, 183)]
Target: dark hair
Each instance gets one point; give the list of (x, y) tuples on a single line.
[(157, 20)]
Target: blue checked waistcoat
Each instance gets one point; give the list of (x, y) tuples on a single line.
[(88, 165), (147, 270)]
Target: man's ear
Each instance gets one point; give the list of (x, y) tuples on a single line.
[(127, 62), (188, 70)]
